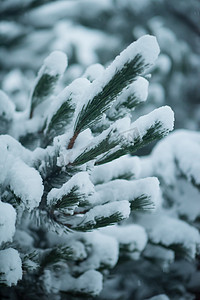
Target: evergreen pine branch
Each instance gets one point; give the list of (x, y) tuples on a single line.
[(155, 132), (43, 89), (111, 140), (100, 222), (59, 121), (142, 202), (55, 255), (68, 200), (96, 106)]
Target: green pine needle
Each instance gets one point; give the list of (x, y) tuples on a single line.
[(55, 255), (59, 121), (112, 139), (154, 133), (100, 222), (43, 90), (95, 107), (142, 202)]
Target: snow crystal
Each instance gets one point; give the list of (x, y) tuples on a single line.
[(26, 183), (56, 63), (123, 166), (10, 266), (7, 222)]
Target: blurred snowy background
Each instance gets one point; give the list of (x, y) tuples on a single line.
[(92, 31)]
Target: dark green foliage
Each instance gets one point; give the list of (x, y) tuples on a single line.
[(110, 141), (59, 121), (142, 202), (121, 109), (74, 197), (55, 255), (154, 133), (100, 222), (96, 106), (42, 90)]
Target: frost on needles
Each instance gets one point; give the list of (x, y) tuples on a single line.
[(66, 171)]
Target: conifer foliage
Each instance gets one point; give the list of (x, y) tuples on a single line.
[(66, 172)]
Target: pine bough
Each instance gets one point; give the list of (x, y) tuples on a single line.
[(66, 171)]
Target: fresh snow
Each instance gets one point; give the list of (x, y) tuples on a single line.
[(105, 211), (10, 267), (165, 230), (81, 180), (104, 251), (163, 115), (93, 72), (26, 183), (55, 63), (121, 189), (132, 237), (121, 167), (7, 222)]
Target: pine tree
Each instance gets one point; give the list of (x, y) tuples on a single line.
[(66, 172)]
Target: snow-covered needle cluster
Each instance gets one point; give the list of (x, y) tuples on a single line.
[(66, 170)]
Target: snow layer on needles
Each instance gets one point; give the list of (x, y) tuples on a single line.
[(168, 231), (7, 222), (71, 93), (164, 115), (93, 72), (133, 237), (105, 211), (26, 183), (12, 146), (104, 251), (55, 63), (120, 189), (10, 267), (123, 166), (81, 180), (89, 283), (182, 146), (146, 46), (139, 88)]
